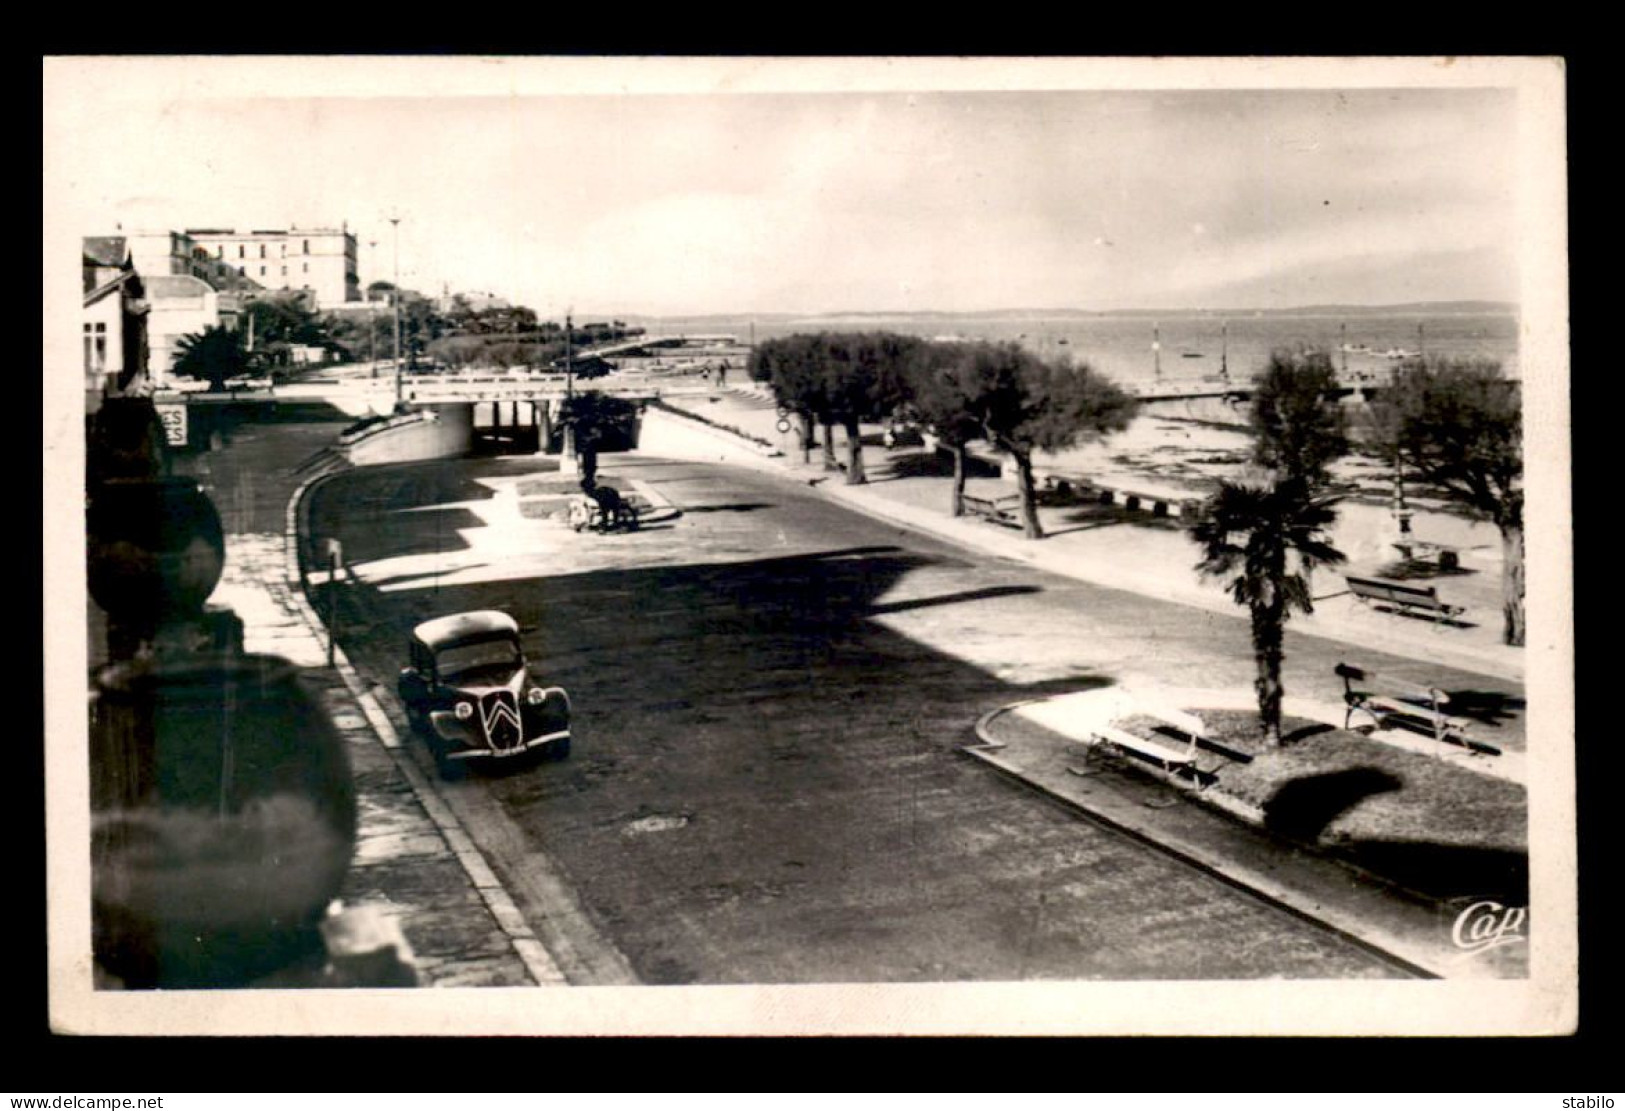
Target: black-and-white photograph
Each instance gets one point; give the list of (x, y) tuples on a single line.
[(808, 546)]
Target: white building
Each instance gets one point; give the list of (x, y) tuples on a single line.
[(320, 261), (181, 305)]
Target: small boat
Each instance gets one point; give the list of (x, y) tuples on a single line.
[(1398, 353), (1190, 354), (1063, 340)]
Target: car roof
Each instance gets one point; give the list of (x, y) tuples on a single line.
[(477, 624)]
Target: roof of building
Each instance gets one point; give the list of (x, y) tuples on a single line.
[(162, 287), (121, 279), (107, 250)]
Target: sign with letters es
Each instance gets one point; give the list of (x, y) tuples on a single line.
[(174, 420)]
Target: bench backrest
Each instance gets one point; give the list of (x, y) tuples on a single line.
[(1378, 588), (1189, 724), (1351, 675)]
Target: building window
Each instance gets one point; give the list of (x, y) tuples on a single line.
[(240, 251), (307, 267), (262, 271), (262, 254), (284, 271), (307, 246), (95, 350)]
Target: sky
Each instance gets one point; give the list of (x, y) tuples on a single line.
[(624, 188)]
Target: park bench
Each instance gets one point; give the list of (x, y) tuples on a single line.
[(1171, 757), (1448, 556), (1000, 511), (602, 509), (1409, 704), (1420, 599)]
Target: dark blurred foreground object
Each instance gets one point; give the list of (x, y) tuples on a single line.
[(223, 820), (222, 807), (156, 550)]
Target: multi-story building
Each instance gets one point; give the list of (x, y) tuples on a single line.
[(177, 253), (321, 261)]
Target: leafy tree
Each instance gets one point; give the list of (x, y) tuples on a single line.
[(592, 418), (1249, 528), (865, 379), (212, 355), (1458, 425), (937, 402), (790, 366), (1025, 404), (361, 336), (1298, 425)]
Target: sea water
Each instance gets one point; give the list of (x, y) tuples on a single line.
[(1130, 347)]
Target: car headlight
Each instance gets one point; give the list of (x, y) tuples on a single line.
[(536, 696), (463, 710)]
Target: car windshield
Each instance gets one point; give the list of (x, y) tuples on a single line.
[(501, 655)]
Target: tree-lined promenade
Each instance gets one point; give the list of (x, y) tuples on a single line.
[(1451, 425)]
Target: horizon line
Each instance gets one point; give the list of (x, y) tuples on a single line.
[(1478, 304)]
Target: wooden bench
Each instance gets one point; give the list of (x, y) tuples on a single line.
[(1170, 757), (1421, 599), (1448, 556), (1384, 699), (1000, 511)]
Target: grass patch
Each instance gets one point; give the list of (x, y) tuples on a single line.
[(1338, 787), (1439, 831)]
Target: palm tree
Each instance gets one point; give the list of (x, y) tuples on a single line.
[(214, 355), (1256, 529)]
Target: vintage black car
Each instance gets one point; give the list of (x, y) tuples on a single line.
[(469, 693)]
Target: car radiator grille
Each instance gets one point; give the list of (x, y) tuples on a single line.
[(499, 711)]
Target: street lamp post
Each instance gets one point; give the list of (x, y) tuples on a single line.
[(395, 299), (567, 462), (372, 319)]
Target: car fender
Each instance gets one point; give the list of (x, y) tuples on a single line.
[(449, 727)]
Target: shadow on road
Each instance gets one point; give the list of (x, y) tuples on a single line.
[(952, 599), (740, 507)]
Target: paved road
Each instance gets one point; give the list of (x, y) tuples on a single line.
[(771, 694)]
